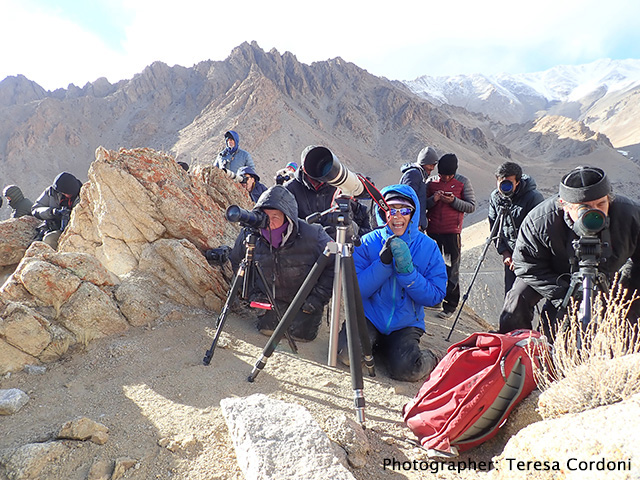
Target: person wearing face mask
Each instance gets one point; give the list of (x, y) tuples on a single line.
[(400, 271), (286, 250), (544, 254)]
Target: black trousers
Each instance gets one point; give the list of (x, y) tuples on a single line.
[(400, 351), (450, 245)]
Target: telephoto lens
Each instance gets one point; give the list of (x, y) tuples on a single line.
[(506, 188), (590, 221), (254, 219)]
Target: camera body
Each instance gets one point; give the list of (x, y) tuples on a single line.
[(218, 255), (251, 219)]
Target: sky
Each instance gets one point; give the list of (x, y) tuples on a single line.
[(59, 42)]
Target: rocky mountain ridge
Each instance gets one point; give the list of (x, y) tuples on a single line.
[(602, 94), (279, 106)]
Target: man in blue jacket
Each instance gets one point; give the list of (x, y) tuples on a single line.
[(232, 157), (400, 271)]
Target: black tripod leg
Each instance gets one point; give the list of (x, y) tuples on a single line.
[(353, 339), (291, 312), (235, 286), (496, 226), (272, 301)]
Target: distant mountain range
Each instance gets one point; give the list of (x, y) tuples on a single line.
[(279, 106), (604, 95)]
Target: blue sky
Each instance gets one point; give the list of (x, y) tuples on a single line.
[(55, 43)]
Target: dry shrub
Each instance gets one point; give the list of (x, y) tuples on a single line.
[(595, 367)]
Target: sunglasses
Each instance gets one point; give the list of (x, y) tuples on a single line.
[(401, 211)]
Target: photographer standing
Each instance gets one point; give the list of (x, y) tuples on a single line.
[(232, 157), (286, 250), (510, 202), (54, 207), (545, 257)]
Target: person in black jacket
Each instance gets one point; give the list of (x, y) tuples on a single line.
[(286, 251), (415, 175), (54, 207), (314, 196), (252, 182), (544, 254), (514, 197)]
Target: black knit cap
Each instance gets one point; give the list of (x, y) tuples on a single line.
[(67, 183), (448, 164), (584, 184)]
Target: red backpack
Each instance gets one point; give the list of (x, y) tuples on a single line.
[(470, 393)]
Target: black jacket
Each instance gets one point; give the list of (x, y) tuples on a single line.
[(516, 208), (51, 199), (544, 248), (316, 200), (416, 177), (287, 266)]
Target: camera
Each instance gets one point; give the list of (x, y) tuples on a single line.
[(234, 176), (322, 165), (506, 188), (252, 219), (590, 221), (218, 255)]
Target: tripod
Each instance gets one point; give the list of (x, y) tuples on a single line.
[(346, 282), (496, 232), (245, 274), (588, 250)]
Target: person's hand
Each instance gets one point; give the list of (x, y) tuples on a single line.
[(386, 256), (400, 250), (58, 212), (507, 260), (447, 197), (311, 305)]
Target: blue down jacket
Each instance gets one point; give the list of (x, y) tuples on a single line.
[(393, 300)]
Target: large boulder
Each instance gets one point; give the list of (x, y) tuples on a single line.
[(16, 234)]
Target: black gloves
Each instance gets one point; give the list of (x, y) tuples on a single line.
[(385, 254)]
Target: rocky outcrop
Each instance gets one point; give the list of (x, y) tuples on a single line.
[(132, 253), (16, 234)]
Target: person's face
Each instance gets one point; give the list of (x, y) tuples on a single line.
[(231, 142), (446, 178), (429, 168), (601, 204), (398, 222), (276, 217), (510, 178), (250, 183)]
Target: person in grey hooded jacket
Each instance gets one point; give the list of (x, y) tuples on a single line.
[(21, 206), (232, 157), (54, 207), (286, 251)]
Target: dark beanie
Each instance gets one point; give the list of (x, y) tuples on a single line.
[(448, 164), (427, 156), (584, 184), (67, 183)]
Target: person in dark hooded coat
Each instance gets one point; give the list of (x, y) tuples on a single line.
[(54, 206), (416, 174), (21, 206), (286, 251), (232, 157), (314, 196), (252, 182), (515, 198)]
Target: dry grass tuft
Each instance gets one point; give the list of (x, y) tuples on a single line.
[(595, 367)]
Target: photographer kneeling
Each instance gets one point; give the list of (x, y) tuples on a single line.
[(544, 251), (286, 250), (400, 271)]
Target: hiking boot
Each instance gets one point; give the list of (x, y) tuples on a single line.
[(305, 326), (267, 324), (445, 314)]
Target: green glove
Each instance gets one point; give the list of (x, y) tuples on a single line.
[(401, 253)]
